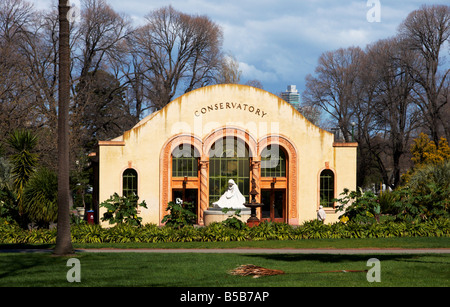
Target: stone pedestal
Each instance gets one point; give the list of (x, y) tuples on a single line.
[(216, 215)]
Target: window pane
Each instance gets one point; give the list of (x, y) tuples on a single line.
[(228, 160), (129, 186), (273, 162), (326, 188), (184, 161)]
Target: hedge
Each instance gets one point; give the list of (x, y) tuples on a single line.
[(215, 232)]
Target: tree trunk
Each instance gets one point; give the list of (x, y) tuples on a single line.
[(63, 238)]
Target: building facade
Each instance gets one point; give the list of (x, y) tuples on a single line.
[(195, 144), (292, 96)]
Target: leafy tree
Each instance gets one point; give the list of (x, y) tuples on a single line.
[(425, 151)]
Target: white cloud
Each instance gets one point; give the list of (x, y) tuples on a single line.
[(250, 72), (279, 41)]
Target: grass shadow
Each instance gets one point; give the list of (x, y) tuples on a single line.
[(20, 264), (329, 258), (10, 246)]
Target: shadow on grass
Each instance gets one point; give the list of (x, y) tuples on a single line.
[(4, 246), (329, 258), (11, 266)]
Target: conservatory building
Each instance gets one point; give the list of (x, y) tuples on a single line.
[(190, 149)]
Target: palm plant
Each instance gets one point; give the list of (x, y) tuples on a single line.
[(24, 161), (40, 197), (437, 174)]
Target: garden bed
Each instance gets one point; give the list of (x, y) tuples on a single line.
[(218, 232)]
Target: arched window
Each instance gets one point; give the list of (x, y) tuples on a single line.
[(327, 188), (185, 161), (228, 159), (130, 182), (273, 162)]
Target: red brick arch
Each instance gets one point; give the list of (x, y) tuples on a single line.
[(288, 146), (165, 166), (203, 147)]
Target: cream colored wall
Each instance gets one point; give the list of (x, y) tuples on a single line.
[(143, 144), (345, 161)]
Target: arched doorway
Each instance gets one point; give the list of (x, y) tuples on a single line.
[(274, 183), (278, 182), (181, 172), (185, 175), (228, 159)]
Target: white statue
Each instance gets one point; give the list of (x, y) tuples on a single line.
[(232, 198)]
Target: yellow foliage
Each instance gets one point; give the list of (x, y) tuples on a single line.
[(425, 151)]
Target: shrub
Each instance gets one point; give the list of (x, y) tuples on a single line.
[(386, 201), (122, 209), (364, 206), (9, 209), (88, 233), (24, 161), (40, 197), (233, 221), (425, 151), (179, 215), (427, 194), (215, 232)]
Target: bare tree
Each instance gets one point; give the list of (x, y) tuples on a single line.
[(311, 113), (97, 108), (130, 69), (229, 71), (372, 91), (40, 50), (14, 19), (394, 114), (255, 83), (334, 88), (177, 53), (16, 97), (98, 37), (426, 30)]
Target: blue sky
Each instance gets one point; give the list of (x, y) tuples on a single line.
[(279, 41)]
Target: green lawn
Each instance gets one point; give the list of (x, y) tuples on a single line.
[(211, 270), (406, 242), (398, 242)]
